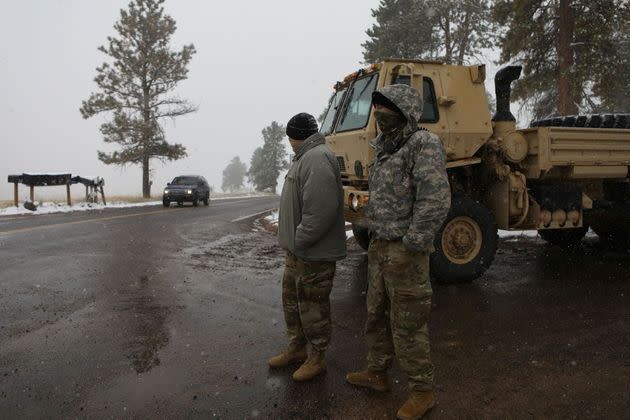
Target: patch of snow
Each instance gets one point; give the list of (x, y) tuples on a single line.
[(519, 234), (45, 173), (272, 219), (349, 234), (591, 234), (50, 207)]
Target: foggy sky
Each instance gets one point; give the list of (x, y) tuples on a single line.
[(256, 61)]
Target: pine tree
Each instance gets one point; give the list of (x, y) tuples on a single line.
[(268, 160), (572, 52), (135, 88), (449, 30), (234, 175), (257, 169)]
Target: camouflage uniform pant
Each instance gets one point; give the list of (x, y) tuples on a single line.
[(306, 287), (398, 307)]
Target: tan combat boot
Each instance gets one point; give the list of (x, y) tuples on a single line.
[(369, 379), (417, 405), (314, 365), (288, 357)]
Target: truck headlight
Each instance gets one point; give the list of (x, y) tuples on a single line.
[(165, 191), (189, 192)]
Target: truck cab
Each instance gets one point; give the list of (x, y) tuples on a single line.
[(349, 123)]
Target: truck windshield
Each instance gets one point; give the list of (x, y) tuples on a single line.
[(333, 106), (356, 110)]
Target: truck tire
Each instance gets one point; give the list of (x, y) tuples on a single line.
[(466, 244), (563, 237), (613, 226), (362, 236), (615, 238)]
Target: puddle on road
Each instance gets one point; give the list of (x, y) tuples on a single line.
[(149, 334), (146, 327)]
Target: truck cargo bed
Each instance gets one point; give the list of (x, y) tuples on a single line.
[(568, 152)]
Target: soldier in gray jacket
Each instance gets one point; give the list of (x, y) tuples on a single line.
[(409, 200), (311, 229)]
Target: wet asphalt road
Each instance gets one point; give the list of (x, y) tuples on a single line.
[(146, 313)]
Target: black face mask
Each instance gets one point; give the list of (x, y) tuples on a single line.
[(389, 122)]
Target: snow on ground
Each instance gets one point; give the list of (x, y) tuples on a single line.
[(510, 235), (517, 235), (513, 235), (349, 233), (50, 207), (272, 219)]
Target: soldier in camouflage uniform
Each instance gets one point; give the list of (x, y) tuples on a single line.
[(409, 200), (311, 229)]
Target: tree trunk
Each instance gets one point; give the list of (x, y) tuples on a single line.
[(447, 38), (566, 104), (148, 135), (146, 182), (464, 40)]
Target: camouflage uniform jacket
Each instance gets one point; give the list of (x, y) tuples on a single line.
[(311, 224), (409, 189)]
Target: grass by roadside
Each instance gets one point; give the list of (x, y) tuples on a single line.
[(131, 198)]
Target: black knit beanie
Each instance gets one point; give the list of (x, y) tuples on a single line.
[(301, 126)]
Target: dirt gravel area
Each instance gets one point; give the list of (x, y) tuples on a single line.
[(543, 334)]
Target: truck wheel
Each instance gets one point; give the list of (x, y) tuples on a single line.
[(563, 237), (466, 243), (620, 240), (166, 203), (613, 226), (362, 236), (206, 201), (195, 201)]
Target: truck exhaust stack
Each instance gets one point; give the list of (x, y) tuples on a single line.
[(502, 81)]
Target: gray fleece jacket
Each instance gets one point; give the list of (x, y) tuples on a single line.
[(311, 223)]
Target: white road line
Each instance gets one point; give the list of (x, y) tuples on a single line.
[(251, 215)]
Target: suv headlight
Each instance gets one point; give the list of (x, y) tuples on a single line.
[(189, 192), (165, 191)]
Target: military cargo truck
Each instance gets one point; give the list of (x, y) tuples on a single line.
[(560, 176)]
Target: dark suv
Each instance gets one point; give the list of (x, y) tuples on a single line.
[(191, 188)]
